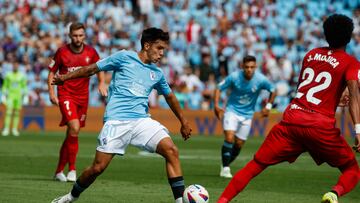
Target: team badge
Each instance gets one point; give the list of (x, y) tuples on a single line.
[(87, 59), (253, 89), (152, 75), (329, 52)]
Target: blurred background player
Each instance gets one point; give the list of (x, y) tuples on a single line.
[(126, 118), (73, 96), (308, 123), (245, 86), (14, 95)]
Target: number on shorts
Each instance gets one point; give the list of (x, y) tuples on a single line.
[(310, 74), (67, 105)]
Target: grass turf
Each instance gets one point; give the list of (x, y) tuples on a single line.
[(27, 164)]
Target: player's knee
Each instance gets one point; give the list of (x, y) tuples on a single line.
[(172, 152), (97, 169), (74, 129)]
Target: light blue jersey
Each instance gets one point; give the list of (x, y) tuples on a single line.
[(131, 84), (244, 93)]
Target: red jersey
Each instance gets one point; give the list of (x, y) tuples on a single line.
[(321, 83), (65, 61)]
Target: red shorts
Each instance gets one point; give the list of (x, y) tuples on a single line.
[(287, 142), (71, 110)]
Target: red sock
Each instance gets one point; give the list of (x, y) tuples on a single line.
[(73, 148), (240, 180), (63, 157), (348, 179)]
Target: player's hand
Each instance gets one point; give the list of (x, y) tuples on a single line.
[(356, 146), (185, 130), (219, 112), (103, 89), (58, 80), (344, 101), (265, 112), (3, 99), (25, 100), (54, 100)]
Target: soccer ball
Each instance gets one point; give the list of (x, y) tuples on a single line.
[(196, 194)]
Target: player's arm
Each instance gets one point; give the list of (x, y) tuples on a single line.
[(53, 97), (344, 100), (221, 86), (102, 86), (354, 109), (4, 89), (219, 112), (83, 72), (24, 88), (175, 107), (266, 110)]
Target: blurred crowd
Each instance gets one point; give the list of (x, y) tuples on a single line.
[(209, 38)]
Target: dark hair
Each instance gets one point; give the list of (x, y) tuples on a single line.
[(76, 26), (338, 29), (152, 34), (249, 58)]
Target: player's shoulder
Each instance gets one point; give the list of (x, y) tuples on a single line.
[(89, 47)]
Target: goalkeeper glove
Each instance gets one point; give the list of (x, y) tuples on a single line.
[(25, 100), (3, 98)]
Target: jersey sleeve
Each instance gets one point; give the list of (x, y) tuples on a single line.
[(162, 86), (55, 62), (112, 62), (353, 72), (226, 83), (6, 84)]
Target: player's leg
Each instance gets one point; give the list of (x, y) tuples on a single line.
[(226, 153), (69, 147), (8, 114), (230, 125), (169, 151), (72, 141), (278, 146), (150, 135), (16, 116), (87, 177), (347, 181), (329, 146), (240, 138)]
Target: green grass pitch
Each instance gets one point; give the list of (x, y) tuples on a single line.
[(27, 164)]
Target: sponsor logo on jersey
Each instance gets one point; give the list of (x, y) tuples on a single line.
[(87, 59), (328, 59), (72, 69)]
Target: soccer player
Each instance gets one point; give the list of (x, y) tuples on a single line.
[(244, 86), (126, 118), (14, 95), (73, 96), (308, 123)]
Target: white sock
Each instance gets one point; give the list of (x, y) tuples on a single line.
[(179, 200)]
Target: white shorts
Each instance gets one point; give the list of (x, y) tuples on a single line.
[(239, 124), (144, 133)]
